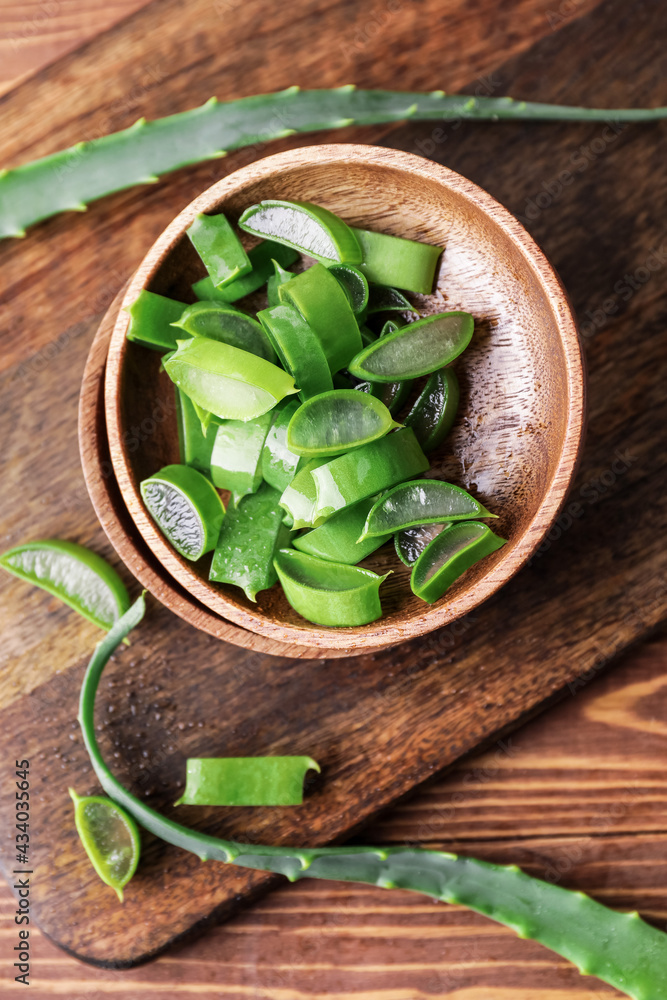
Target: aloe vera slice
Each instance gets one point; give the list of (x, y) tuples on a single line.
[(151, 319), (110, 838), (186, 508), (355, 284), (299, 499), (229, 383), (422, 501), (329, 593), (74, 574), (298, 348), (416, 349), (305, 227), (337, 421), (411, 542), (434, 411), (449, 555), (261, 259), (245, 781), (220, 321), (250, 536), (383, 299), (337, 540), (396, 262), (195, 442), (279, 277), (367, 470), (326, 308), (220, 249), (279, 464), (236, 458)]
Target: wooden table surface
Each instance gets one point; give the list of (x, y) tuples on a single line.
[(578, 794)]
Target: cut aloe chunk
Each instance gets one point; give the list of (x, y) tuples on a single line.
[(279, 464), (326, 308), (367, 470), (195, 441), (219, 321), (151, 316), (236, 458), (110, 838), (261, 259), (250, 536), (245, 781), (230, 383), (329, 593), (337, 421), (381, 299), (423, 501), (355, 284), (434, 411), (186, 508), (449, 555), (298, 348), (416, 349), (338, 538), (307, 228), (279, 277), (220, 248), (411, 542), (77, 576), (399, 263), (299, 499)]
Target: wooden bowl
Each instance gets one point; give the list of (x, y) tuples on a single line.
[(518, 433)]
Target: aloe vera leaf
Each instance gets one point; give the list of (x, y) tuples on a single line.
[(619, 948), (71, 178)]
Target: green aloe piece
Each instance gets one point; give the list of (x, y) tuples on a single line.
[(308, 228), (250, 536), (151, 321), (367, 470), (220, 321), (230, 383), (450, 554), (383, 299), (337, 421), (411, 542), (298, 347), (220, 249), (338, 538), (245, 781), (261, 259), (422, 501), (236, 457), (279, 277), (416, 349), (299, 499), (619, 948), (392, 260), (70, 179), (329, 593), (355, 284), (110, 838), (186, 508), (434, 411), (279, 464), (195, 443), (78, 577)]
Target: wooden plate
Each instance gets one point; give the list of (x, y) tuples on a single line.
[(518, 434)]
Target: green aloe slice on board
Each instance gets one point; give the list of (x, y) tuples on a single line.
[(416, 349), (110, 838), (328, 593), (220, 249), (225, 381), (151, 319), (422, 501), (236, 458), (308, 228), (298, 347), (337, 421), (338, 538), (411, 542), (220, 321), (245, 781), (434, 411), (261, 259), (79, 577), (449, 555), (186, 508), (397, 262)]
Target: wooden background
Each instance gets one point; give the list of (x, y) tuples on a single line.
[(578, 795)]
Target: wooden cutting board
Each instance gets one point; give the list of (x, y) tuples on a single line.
[(592, 195)]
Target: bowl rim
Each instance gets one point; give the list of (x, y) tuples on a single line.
[(508, 560)]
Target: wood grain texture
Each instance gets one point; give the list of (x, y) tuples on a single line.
[(577, 796), (378, 724)]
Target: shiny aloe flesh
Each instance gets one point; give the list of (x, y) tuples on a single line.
[(337, 421), (338, 538), (411, 542), (186, 508), (422, 501), (245, 781), (449, 555), (222, 322), (220, 249), (110, 838), (236, 457), (77, 576), (392, 394), (329, 593), (416, 349), (261, 258), (355, 284), (279, 464), (434, 412), (304, 226), (230, 383)]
